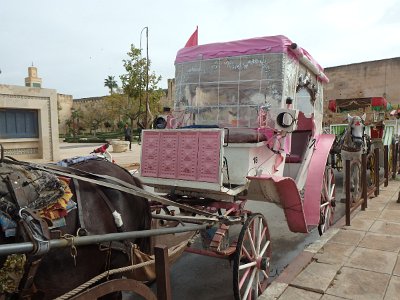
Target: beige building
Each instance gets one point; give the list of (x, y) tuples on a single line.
[(29, 123), (378, 78), (28, 120), (33, 80), (64, 106)]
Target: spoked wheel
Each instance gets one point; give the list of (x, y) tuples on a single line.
[(251, 263), (328, 204), (355, 181)]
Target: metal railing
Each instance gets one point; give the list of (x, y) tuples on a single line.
[(160, 251), (378, 180)]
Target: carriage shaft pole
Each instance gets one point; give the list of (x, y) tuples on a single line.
[(27, 247), (394, 160), (347, 186), (377, 177), (162, 273), (386, 164), (364, 204)]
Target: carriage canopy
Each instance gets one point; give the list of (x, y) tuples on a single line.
[(225, 84)]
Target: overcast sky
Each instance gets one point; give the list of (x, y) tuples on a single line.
[(76, 44)]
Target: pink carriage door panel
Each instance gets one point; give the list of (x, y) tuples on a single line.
[(281, 190), (167, 165), (209, 156), (187, 155), (315, 175), (149, 160)]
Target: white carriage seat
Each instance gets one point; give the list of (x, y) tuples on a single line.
[(300, 139)]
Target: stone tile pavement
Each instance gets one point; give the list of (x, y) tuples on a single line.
[(361, 261)]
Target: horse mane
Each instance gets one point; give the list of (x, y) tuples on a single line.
[(347, 136)]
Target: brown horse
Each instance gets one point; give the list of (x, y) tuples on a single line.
[(58, 273)]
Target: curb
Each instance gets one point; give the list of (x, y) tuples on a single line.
[(300, 262)]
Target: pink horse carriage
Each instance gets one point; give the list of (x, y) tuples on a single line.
[(246, 124)]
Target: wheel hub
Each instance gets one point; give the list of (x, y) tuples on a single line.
[(263, 263)]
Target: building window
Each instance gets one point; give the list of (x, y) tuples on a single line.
[(18, 123)]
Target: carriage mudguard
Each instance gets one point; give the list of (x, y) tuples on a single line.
[(315, 176), (282, 191)]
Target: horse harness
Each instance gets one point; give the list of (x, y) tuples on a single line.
[(31, 227), (35, 229), (348, 135)]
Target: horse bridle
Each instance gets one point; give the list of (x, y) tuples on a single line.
[(358, 138)]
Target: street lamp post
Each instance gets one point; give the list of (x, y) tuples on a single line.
[(147, 71)]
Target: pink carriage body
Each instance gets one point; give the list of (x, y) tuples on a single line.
[(224, 89)]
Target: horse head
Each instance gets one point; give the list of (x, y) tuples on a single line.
[(355, 132)]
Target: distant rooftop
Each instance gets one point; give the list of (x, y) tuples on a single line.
[(89, 99)]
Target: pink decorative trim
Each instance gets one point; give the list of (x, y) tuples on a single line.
[(180, 154), (290, 200), (149, 160), (268, 44), (258, 45), (168, 156), (187, 155), (316, 169)]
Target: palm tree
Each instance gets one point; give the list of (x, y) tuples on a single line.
[(110, 83)]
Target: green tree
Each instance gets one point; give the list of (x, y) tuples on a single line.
[(76, 114), (135, 83), (94, 116), (110, 83), (115, 105)]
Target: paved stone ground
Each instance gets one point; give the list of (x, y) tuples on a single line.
[(361, 261)]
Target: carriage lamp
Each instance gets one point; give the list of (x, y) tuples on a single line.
[(285, 119)]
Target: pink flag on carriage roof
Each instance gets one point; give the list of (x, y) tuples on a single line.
[(193, 40)]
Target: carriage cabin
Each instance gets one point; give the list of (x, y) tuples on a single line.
[(242, 108)]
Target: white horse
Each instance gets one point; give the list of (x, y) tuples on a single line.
[(353, 144)]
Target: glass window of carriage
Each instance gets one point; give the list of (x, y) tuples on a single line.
[(304, 101)]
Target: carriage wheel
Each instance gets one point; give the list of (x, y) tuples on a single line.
[(328, 203), (355, 181), (252, 258), (117, 285)]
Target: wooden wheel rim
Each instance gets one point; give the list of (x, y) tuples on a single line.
[(328, 194), (252, 259)]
